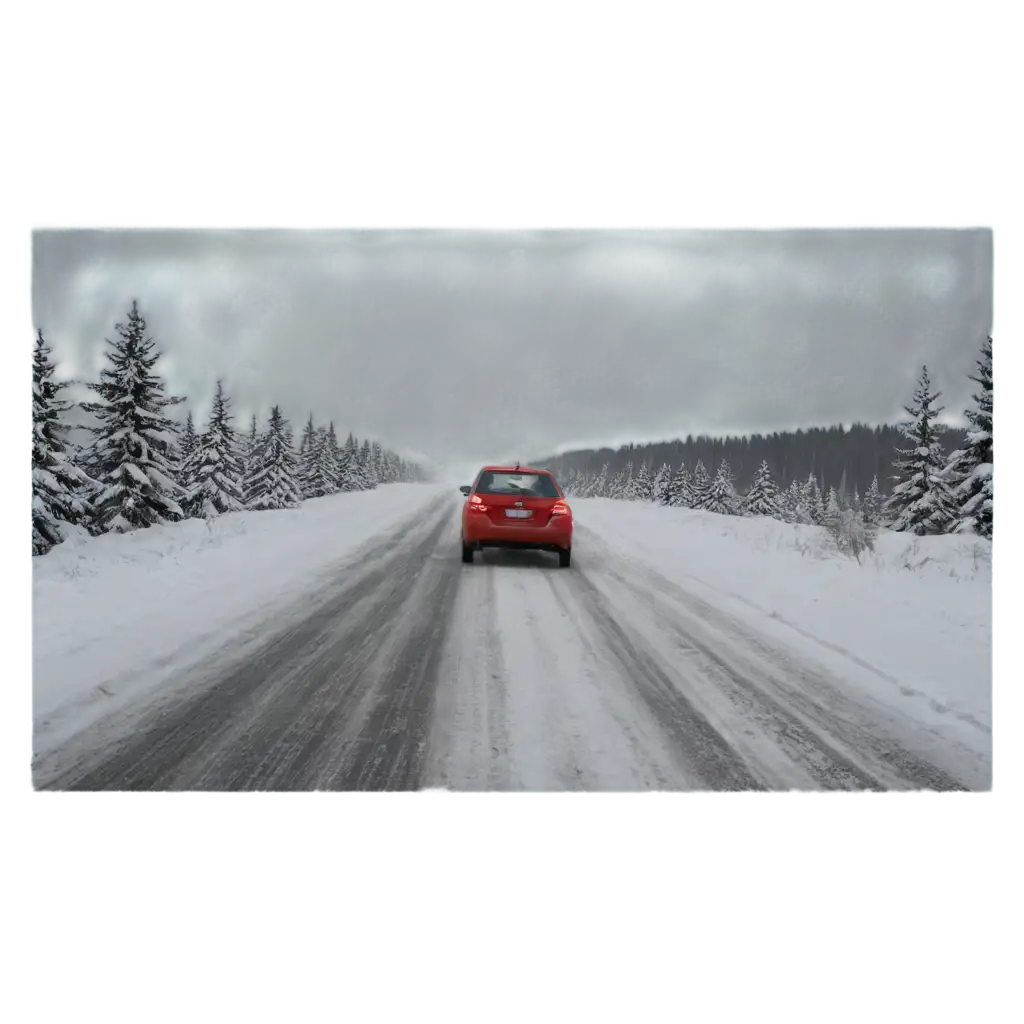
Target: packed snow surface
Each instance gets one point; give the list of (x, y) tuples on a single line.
[(917, 609), (344, 645), (118, 614)]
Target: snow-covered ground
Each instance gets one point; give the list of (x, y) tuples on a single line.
[(916, 612), (116, 615), (343, 644)]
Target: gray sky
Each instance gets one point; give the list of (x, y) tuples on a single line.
[(473, 346)]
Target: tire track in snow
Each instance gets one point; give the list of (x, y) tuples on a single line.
[(469, 746), (518, 667), (852, 754), (710, 761), (259, 723)]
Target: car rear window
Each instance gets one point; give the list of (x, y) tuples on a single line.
[(538, 485)]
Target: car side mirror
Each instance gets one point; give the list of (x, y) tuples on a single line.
[(465, 489)]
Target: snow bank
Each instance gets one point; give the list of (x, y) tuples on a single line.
[(917, 611), (111, 613)]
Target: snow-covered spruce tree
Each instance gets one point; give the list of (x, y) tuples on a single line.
[(722, 492), (680, 489), (135, 453), (643, 484), (320, 469), (811, 503), (60, 488), (186, 464), (921, 501), (189, 439), (969, 471), (272, 481), (216, 468), (804, 501), (701, 488), (377, 461), (601, 484), (307, 437), (789, 500), (662, 483), (629, 482), (308, 459), (332, 457), (366, 466), (763, 497), (873, 504), (389, 466), (348, 466), (832, 504)]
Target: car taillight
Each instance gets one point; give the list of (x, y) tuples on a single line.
[(476, 504), (558, 509)]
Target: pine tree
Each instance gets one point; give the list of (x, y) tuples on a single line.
[(377, 461), (60, 488), (189, 439), (643, 485), (366, 470), (321, 478), (216, 468), (629, 483), (308, 460), (791, 503), (763, 498), (805, 507), (873, 504), (389, 468), (186, 464), (271, 482), (600, 488), (701, 489), (307, 437), (722, 492), (832, 504), (348, 466), (135, 454), (680, 489), (811, 503), (969, 471), (332, 458), (662, 484), (921, 501)]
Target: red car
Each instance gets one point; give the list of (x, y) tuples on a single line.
[(516, 507)]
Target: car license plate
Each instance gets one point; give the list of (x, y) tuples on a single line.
[(518, 513)]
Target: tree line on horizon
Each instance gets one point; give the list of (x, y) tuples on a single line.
[(941, 479), (143, 468)]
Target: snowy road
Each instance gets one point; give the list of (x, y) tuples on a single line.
[(410, 670)]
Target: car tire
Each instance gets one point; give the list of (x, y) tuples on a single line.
[(564, 557), (467, 554)]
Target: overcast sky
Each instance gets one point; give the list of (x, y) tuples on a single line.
[(473, 346)]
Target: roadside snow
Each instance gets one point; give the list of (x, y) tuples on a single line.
[(916, 613), (112, 615)]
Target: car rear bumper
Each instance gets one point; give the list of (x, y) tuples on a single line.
[(482, 533)]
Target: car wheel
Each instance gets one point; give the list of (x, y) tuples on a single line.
[(467, 554), (564, 557)]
